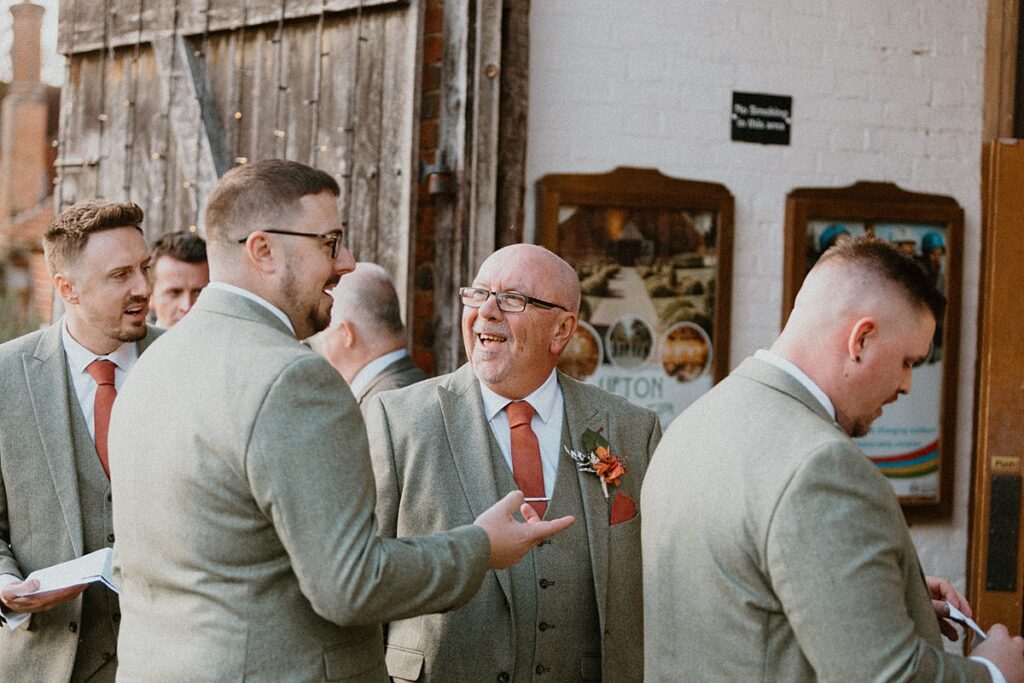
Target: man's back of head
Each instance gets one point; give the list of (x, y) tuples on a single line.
[(864, 316)]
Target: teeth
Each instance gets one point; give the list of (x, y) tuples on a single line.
[(491, 337)]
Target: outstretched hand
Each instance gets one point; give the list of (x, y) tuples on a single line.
[(512, 539), (1005, 652), (19, 596)]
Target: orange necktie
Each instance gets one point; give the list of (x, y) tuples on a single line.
[(526, 467), (103, 372)]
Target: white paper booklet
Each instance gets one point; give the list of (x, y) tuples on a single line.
[(86, 569)]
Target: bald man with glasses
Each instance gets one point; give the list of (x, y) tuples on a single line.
[(445, 448)]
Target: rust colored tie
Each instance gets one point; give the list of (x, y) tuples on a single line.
[(526, 467), (103, 372)]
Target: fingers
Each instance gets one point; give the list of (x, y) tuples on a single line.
[(528, 513), (545, 529), (512, 501), (942, 589), (948, 630)]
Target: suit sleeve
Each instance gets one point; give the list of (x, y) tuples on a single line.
[(837, 554), (310, 473), (385, 473)]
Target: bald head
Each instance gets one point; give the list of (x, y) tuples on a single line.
[(554, 277), (863, 317)]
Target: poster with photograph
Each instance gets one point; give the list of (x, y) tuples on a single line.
[(904, 441), (648, 277)]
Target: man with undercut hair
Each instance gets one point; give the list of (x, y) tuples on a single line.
[(57, 387), (244, 520), (445, 448), (365, 341), (773, 548)]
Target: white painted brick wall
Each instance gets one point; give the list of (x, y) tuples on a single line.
[(881, 91)]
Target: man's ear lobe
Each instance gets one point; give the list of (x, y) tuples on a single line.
[(349, 332), (563, 333), (258, 249), (861, 335)]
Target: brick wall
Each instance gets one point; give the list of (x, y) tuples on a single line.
[(881, 91), (420, 316)]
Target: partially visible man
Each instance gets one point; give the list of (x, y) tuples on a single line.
[(58, 385), (444, 449), (245, 495), (365, 341), (180, 272), (773, 548)]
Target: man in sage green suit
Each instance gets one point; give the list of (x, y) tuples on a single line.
[(245, 495), (55, 498), (573, 610), (774, 550)]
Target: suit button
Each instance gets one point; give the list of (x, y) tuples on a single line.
[(546, 541), (110, 538), (503, 677), (544, 583), (106, 656), (541, 669), (73, 627), (544, 626), (116, 617), (109, 498)]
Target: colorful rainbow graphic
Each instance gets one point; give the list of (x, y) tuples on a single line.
[(923, 461)]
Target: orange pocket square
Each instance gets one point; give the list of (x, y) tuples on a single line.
[(623, 509)]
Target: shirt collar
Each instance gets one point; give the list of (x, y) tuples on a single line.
[(80, 357), (800, 376), (374, 368), (543, 399), (254, 297)]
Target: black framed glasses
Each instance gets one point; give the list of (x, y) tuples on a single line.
[(331, 239), (510, 302)]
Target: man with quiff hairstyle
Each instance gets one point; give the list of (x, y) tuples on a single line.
[(180, 272), (57, 386), (773, 549), (365, 341)]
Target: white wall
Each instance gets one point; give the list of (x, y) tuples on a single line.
[(881, 91)]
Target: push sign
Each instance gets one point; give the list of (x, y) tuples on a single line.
[(761, 118)]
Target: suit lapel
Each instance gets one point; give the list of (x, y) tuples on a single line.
[(581, 415), (399, 365), (467, 433), (46, 376)]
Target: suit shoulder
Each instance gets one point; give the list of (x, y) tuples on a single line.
[(419, 394)]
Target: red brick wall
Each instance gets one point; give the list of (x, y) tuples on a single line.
[(421, 313)]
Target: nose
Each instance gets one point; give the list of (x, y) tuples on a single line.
[(906, 380), (140, 285), (344, 263), (489, 308)]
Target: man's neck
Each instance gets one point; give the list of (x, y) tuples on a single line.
[(100, 344)]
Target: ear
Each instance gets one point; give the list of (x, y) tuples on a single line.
[(563, 332), (66, 288), (349, 331), (861, 335), (260, 252)]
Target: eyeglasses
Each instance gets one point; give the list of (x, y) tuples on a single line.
[(331, 239), (510, 302)]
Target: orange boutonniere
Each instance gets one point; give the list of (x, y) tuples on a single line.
[(597, 457)]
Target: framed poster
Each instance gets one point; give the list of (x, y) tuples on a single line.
[(909, 440), (654, 257)]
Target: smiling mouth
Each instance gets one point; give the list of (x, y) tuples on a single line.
[(137, 309), (487, 338)]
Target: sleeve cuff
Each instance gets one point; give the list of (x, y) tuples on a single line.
[(993, 670)]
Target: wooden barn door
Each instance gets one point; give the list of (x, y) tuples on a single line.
[(161, 98)]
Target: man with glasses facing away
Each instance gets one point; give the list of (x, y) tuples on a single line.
[(245, 494), (446, 448)]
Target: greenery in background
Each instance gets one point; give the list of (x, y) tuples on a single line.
[(13, 323)]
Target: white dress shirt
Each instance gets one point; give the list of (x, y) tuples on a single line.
[(374, 368), (245, 293), (548, 404), (79, 358)]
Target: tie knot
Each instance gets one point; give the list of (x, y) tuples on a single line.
[(519, 413), (102, 371)]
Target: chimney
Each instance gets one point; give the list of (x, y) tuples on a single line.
[(23, 173)]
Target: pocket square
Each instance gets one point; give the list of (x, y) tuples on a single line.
[(623, 509)]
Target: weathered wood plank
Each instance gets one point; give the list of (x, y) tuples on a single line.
[(396, 186), (362, 212), (86, 32), (298, 88), (512, 124), (333, 151), (484, 145)]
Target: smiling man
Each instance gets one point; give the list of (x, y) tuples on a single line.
[(244, 519), (58, 385), (180, 272), (773, 548), (446, 448)]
